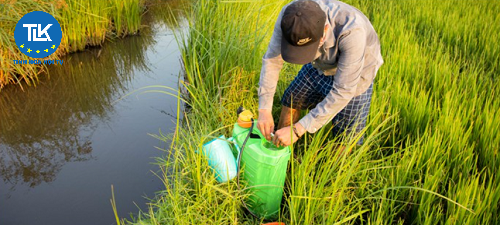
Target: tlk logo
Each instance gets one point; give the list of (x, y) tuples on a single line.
[(303, 41), (40, 32), (43, 31)]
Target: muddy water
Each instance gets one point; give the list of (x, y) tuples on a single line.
[(64, 142)]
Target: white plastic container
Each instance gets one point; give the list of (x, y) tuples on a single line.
[(220, 158)]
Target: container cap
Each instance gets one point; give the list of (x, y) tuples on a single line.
[(245, 116)]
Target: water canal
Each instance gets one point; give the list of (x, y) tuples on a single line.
[(64, 142)]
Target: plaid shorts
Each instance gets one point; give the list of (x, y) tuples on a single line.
[(310, 87)]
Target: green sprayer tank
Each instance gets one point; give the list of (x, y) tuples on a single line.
[(264, 170)]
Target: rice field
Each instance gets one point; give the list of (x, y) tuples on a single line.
[(83, 23), (431, 148)]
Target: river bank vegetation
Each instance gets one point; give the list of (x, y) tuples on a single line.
[(431, 149), (83, 23)]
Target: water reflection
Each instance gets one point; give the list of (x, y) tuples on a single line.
[(43, 128), (40, 128), (167, 13)]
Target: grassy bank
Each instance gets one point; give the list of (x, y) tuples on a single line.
[(83, 23), (431, 149)]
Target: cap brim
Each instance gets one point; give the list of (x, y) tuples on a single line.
[(298, 54)]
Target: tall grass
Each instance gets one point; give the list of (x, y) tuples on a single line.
[(83, 23), (431, 149)]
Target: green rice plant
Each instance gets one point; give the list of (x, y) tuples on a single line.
[(126, 16), (83, 23), (431, 149), (11, 12)]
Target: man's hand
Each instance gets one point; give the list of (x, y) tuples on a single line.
[(284, 137), (265, 123)]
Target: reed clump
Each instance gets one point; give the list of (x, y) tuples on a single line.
[(83, 23)]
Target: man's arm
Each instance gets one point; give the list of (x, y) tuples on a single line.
[(349, 67), (272, 63)]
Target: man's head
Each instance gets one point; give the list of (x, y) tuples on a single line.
[(302, 26)]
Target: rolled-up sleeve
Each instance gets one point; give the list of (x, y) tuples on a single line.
[(349, 67), (272, 63)]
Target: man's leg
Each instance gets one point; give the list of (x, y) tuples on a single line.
[(287, 115), (352, 119), (301, 94)]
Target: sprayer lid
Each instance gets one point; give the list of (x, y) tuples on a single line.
[(245, 116)]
